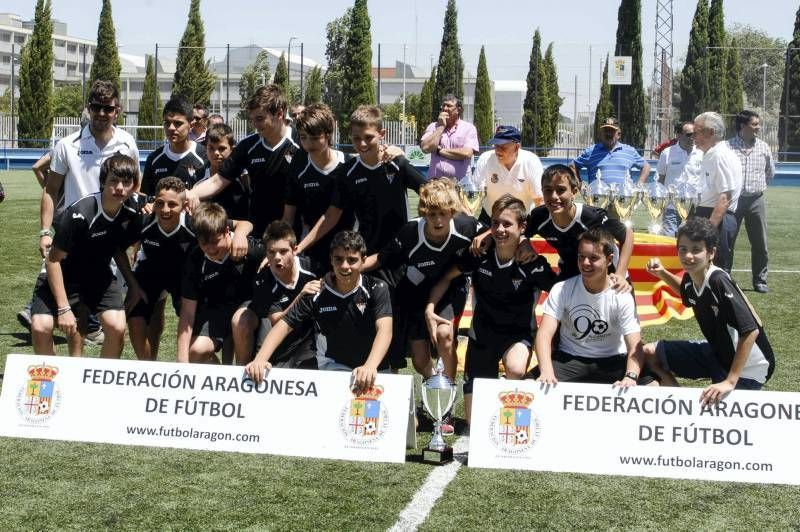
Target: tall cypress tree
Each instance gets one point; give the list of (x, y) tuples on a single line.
[(790, 127), (694, 78), (484, 114), (734, 85), (436, 106), (106, 63), (193, 78), (282, 75), (535, 107), (450, 69), (717, 58), (36, 80), (150, 104), (357, 87), (313, 87), (425, 105), (554, 101), (631, 115), (605, 107)]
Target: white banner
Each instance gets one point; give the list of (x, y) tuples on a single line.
[(621, 71), (644, 431), (292, 412)]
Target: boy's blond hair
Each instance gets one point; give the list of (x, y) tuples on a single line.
[(367, 116), (210, 220), (438, 194)]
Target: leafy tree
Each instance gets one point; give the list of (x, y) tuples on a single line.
[(68, 100), (484, 113), (734, 85), (106, 63), (5, 102), (554, 101), (358, 87), (717, 58), (605, 107), (254, 75), (150, 108), (36, 79), (632, 112), (193, 77), (694, 76), (393, 111), (450, 69), (436, 105), (313, 86), (425, 105), (336, 33), (754, 49), (281, 78), (535, 107), (790, 127)]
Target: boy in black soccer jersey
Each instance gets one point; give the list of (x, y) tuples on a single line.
[(374, 190), (421, 253), (79, 277), (179, 156), (219, 146), (313, 179), (352, 311), (736, 353), (275, 291), (505, 293), (265, 155), (214, 285)]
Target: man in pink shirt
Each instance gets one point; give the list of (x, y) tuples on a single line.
[(452, 142)]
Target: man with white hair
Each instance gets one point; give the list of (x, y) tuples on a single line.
[(720, 183)]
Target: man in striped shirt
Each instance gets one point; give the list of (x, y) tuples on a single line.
[(758, 169), (611, 157)]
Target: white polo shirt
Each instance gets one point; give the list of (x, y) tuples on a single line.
[(78, 159), (523, 181), (721, 172), (680, 166)]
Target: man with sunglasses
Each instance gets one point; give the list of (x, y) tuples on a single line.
[(678, 164), (614, 159), (199, 123)]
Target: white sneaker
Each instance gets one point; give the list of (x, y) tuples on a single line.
[(95, 338)]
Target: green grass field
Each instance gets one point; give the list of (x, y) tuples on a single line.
[(57, 485)]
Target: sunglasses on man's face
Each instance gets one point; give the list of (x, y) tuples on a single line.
[(689, 134), (97, 107), (198, 118)]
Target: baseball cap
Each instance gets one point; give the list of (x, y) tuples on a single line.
[(610, 122), (506, 134)]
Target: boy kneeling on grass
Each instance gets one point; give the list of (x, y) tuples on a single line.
[(352, 311), (736, 353)]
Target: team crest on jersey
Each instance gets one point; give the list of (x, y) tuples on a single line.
[(364, 419), (40, 398), (191, 170), (514, 427), (287, 156), (361, 306), (715, 309), (516, 283), (495, 179), (184, 246)]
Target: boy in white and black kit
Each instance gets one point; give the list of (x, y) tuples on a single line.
[(736, 353)]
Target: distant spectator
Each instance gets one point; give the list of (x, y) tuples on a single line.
[(215, 119), (678, 164), (199, 122), (613, 158), (451, 141)]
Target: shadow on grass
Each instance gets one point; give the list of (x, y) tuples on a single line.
[(25, 339)]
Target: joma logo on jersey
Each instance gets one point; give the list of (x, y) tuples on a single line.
[(484, 271), (327, 309), (426, 263), (311, 185), (211, 276), (284, 299), (151, 243), (257, 160), (160, 170), (361, 180), (85, 152), (99, 233)]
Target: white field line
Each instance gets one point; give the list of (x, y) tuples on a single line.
[(770, 271), (415, 513)]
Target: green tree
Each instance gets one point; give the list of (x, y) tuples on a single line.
[(484, 113), (313, 87), (605, 107), (336, 34), (36, 79), (393, 111), (631, 113), (694, 76), (5, 102), (425, 105), (254, 75), (358, 87), (554, 101), (436, 105), (281, 78), (105, 64), (68, 100), (450, 69), (150, 108), (756, 48), (535, 107), (789, 128), (734, 85), (717, 58), (193, 78)]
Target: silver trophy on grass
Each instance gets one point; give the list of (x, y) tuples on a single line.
[(683, 197), (625, 197), (597, 193), (471, 193), (438, 396), (655, 198)]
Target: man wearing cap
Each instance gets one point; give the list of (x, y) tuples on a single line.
[(508, 170), (451, 141), (611, 157)]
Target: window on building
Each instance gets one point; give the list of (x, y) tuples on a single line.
[(59, 64), (59, 42), (5, 36), (72, 48), (5, 59), (19, 39)]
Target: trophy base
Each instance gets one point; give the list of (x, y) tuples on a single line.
[(437, 456)]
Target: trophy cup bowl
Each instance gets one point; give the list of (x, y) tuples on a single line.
[(655, 198), (471, 195), (684, 196), (596, 194), (625, 197), (438, 396)]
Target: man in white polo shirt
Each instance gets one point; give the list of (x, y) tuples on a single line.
[(721, 184), (508, 170), (677, 164)]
